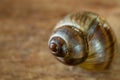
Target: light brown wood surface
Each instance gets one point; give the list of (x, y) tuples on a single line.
[(25, 27)]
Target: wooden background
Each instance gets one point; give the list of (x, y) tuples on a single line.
[(25, 27)]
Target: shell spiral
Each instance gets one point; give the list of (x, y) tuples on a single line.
[(83, 39)]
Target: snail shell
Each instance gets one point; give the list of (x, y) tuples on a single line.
[(83, 39)]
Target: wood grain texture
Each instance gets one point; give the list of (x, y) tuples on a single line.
[(25, 26)]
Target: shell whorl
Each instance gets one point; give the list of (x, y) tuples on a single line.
[(75, 44)]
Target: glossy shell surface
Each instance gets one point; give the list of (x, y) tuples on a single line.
[(83, 39)]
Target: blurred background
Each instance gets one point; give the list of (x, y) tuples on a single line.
[(25, 27)]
